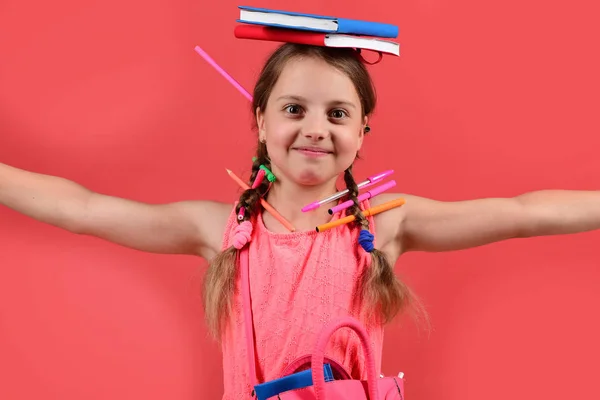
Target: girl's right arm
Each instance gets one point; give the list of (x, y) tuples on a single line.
[(187, 227)]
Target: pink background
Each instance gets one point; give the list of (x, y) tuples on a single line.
[(488, 99)]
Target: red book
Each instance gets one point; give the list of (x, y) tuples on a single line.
[(259, 32)]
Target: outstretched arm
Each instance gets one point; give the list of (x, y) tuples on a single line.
[(429, 225), (187, 227)]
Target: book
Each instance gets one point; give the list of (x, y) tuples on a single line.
[(315, 38), (313, 22)]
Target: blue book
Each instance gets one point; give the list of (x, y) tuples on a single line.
[(317, 23), (298, 380)]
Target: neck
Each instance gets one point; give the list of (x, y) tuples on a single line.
[(288, 199)]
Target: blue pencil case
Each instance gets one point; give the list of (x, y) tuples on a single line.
[(297, 380)]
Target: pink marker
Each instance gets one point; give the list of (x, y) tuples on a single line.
[(259, 178), (220, 70), (363, 197), (241, 213), (368, 182)]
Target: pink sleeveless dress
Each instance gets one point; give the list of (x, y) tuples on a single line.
[(299, 281)]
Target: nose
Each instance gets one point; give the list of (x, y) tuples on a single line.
[(315, 128)]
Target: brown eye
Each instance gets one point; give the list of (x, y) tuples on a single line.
[(292, 109), (338, 114)]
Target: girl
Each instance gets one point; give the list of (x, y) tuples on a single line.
[(312, 108)]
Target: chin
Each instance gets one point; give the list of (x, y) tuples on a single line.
[(312, 178)]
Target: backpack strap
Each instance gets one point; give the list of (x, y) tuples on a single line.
[(247, 309)]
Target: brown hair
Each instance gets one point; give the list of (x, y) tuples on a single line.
[(383, 292)]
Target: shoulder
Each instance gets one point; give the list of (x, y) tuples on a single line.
[(389, 224), (394, 226)]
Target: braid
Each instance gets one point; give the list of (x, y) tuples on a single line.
[(361, 221), (250, 198), (219, 280), (381, 288)]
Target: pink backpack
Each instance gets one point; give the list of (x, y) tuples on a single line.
[(343, 386)]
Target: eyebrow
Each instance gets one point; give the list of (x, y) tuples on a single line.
[(331, 103)]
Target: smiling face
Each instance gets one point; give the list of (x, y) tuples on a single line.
[(313, 122)]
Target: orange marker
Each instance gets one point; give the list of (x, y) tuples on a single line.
[(371, 211), (266, 205)]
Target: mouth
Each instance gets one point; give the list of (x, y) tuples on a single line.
[(313, 151)]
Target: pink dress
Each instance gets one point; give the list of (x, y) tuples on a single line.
[(299, 281)]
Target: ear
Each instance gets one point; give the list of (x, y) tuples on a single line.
[(361, 135), (260, 122)]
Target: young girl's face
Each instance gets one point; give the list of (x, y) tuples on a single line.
[(313, 124)]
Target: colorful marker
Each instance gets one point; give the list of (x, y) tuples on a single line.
[(259, 178), (264, 203), (270, 175), (371, 211), (369, 181), (367, 195), (225, 75), (241, 213)]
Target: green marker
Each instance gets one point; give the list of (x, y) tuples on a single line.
[(270, 175)]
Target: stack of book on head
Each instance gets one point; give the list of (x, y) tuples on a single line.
[(317, 30)]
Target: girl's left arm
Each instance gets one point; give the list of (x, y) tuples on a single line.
[(430, 225)]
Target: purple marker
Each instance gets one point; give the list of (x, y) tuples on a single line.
[(363, 197), (368, 182)]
